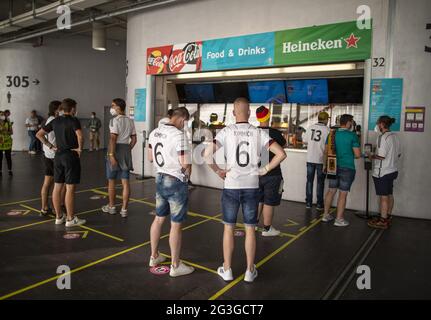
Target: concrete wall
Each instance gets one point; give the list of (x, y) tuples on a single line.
[(66, 67), (208, 19)]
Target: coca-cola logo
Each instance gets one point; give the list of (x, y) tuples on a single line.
[(188, 55), (155, 61)]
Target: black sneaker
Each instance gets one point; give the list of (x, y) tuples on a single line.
[(320, 208), (308, 206)]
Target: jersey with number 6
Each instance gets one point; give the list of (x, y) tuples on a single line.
[(316, 140), (167, 143), (242, 145)]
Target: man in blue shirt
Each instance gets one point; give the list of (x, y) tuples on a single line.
[(347, 148)]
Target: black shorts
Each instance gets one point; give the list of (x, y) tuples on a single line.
[(67, 167), (385, 185), (49, 166), (270, 190)]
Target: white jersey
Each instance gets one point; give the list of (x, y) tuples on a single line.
[(123, 127), (388, 147), (167, 143), (316, 140), (242, 145), (50, 154)]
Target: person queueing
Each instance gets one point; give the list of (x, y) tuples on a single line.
[(67, 165), (347, 149), (32, 123), (169, 151), (5, 143), (242, 145), (94, 125), (385, 170), (48, 161), (316, 142), (270, 184), (119, 159)]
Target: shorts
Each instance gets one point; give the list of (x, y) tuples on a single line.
[(385, 185), (116, 173), (67, 167), (344, 179), (49, 166), (270, 190), (172, 196), (232, 199)]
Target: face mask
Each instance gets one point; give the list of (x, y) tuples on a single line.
[(377, 129), (113, 112), (75, 114), (3, 118), (61, 113), (93, 117)]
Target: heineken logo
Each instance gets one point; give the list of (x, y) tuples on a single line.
[(319, 44)]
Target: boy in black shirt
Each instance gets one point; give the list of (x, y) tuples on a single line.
[(67, 166), (270, 184)]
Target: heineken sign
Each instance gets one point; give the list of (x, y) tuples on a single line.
[(319, 44)]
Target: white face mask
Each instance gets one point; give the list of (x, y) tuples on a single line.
[(377, 129), (113, 112), (61, 113), (93, 117), (3, 118)]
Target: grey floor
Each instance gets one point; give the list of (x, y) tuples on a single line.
[(109, 258)]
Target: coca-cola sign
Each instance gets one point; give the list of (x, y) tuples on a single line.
[(182, 58)]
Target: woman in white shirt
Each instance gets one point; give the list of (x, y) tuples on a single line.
[(385, 171)]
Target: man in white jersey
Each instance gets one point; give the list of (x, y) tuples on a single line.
[(242, 144), (385, 170), (169, 150), (119, 159), (316, 141)]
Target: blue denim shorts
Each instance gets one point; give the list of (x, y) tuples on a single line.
[(344, 179), (232, 199), (116, 173), (172, 197), (270, 190)]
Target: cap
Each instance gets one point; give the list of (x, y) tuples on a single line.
[(262, 114)]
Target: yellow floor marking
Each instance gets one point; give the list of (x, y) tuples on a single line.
[(192, 264), (264, 260), (302, 229), (102, 233), (80, 191), (38, 284), (290, 224)]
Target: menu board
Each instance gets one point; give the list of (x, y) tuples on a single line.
[(386, 99), (140, 110)]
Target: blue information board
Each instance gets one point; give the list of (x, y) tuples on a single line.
[(267, 92), (314, 91), (386, 98), (140, 104)]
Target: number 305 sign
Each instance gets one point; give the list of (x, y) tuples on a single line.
[(19, 81)]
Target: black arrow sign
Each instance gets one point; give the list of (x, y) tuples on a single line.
[(36, 81)]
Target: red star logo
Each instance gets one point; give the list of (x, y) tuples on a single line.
[(352, 41)]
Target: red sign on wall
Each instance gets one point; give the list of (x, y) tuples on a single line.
[(178, 58)]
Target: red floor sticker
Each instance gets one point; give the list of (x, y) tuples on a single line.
[(97, 197), (70, 236), (159, 270), (14, 213), (239, 233)]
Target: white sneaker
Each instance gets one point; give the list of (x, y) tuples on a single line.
[(341, 223), (181, 270), (61, 220), (123, 212), (327, 218), (156, 261), (250, 275), (272, 232), (75, 222), (226, 275), (108, 209)]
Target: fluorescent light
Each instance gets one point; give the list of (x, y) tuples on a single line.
[(268, 71)]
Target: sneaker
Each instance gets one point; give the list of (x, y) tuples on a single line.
[(46, 212), (61, 220), (307, 206), (123, 212), (341, 223), (227, 275), (32, 152), (272, 232), (380, 223), (75, 222), (156, 261), (320, 208), (250, 275), (181, 270), (108, 209), (327, 218)]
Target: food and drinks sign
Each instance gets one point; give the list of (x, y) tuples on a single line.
[(317, 44), (386, 99)]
